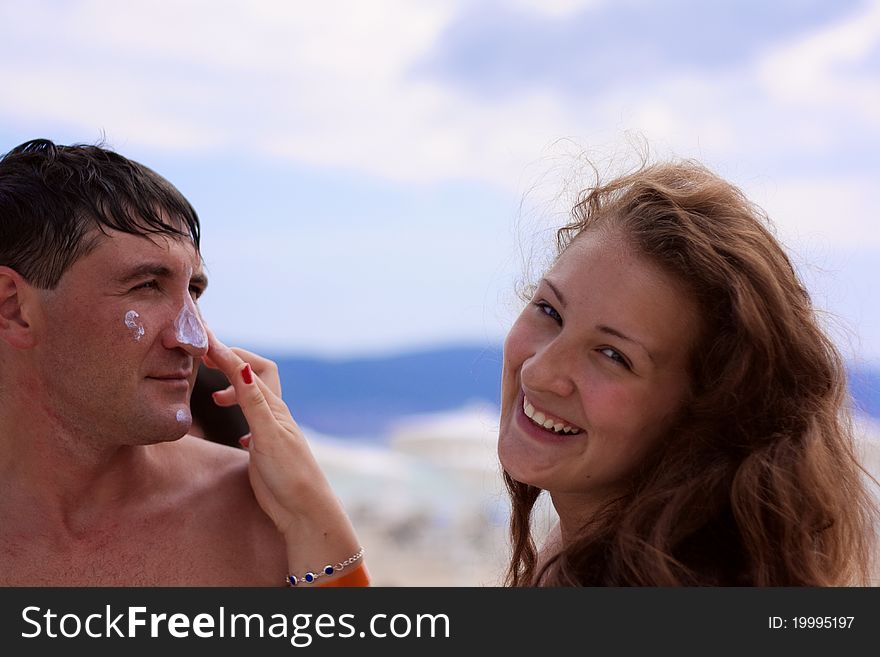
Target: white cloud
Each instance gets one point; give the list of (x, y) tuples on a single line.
[(556, 8), (91, 101), (821, 70), (827, 210), (337, 85)]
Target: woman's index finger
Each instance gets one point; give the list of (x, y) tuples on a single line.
[(253, 397), (226, 360)]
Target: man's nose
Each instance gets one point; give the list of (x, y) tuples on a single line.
[(550, 369), (188, 331)]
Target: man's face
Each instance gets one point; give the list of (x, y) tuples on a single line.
[(119, 341)]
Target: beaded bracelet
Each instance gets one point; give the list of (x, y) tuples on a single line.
[(309, 577)]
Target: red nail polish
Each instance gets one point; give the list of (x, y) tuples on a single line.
[(246, 374)]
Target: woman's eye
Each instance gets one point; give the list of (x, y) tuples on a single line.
[(549, 310), (614, 355)]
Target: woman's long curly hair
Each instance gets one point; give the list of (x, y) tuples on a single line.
[(758, 484)]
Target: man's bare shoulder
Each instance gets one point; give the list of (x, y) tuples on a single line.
[(214, 475), (212, 483), (205, 457), (193, 522)]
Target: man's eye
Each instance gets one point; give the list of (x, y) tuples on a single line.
[(195, 292), (149, 285)]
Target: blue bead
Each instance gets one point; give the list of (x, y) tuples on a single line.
[(328, 570), (292, 580), (309, 577)]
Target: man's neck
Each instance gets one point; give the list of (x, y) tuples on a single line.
[(64, 481)]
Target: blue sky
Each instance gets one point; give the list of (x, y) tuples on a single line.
[(370, 175)]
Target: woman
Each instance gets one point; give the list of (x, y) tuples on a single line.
[(668, 385)]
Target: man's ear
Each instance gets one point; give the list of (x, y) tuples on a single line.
[(15, 329)]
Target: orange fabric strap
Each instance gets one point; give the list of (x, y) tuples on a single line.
[(357, 576)]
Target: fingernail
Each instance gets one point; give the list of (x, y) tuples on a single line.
[(246, 374), (244, 441)]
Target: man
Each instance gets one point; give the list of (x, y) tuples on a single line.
[(100, 340)]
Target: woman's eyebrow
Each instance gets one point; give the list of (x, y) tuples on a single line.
[(612, 331), (555, 290), (602, 327)]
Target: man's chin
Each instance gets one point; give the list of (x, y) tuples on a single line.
[(182, 422), (167, 425)]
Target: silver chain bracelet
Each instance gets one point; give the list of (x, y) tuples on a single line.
[(309, 577)]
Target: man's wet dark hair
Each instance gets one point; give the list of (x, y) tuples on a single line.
[(55, 201)]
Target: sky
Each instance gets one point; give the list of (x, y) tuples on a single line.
[(376, 177)]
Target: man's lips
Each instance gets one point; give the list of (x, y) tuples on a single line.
[(183, 375)]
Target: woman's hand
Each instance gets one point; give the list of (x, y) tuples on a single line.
[(287, 481)]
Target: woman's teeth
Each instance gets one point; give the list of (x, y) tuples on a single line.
[(547, 422)]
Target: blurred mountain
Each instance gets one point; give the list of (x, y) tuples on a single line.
[(864, 386), (364, 397)]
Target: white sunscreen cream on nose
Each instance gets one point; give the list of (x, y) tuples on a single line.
[(189, 327), (182, 415), (131, 321)]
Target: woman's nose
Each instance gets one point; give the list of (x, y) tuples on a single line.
[(549, 370)]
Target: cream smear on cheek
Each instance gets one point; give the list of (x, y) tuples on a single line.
[(132, 321)]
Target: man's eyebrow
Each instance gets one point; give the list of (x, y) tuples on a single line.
[(158, 270), (199, 279), (145, 270)]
